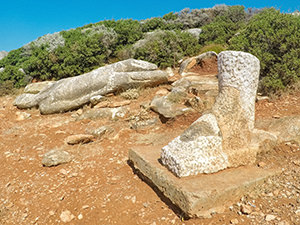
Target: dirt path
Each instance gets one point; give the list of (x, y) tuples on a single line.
[(99, 187)]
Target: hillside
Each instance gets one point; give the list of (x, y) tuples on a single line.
[(163, 41)]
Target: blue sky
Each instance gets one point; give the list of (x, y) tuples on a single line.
[(22, 21)]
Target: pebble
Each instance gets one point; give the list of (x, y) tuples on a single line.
[(66, 216), (262, 164), (234, 221), (246, 209), (270, 217), (51, 213), (22, 116), (80, 216), (85, 206), (297, 212), (133, 199), (56, 157), (79, 139)]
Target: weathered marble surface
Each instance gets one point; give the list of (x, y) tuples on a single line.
[(221, 138)]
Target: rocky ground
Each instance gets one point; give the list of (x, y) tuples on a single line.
[(99, 187)]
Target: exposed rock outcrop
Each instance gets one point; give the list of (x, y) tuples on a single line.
[(3, 54), (71, 93)]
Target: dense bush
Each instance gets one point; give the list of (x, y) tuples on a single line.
[(217, 48), (275, 39), (167, 48), (224, 26)]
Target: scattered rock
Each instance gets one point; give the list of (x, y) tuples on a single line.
[(196, 103), (270, 217), (246, 209), (79, 139), (297, 212), (143, 123), (162, 92), (260, 98), (101, 113), (262, 164), (56, 157), (80, 216), (285, 128), (100, 132), (167, 107), (131, 94), (66, 216), (170, 72), (234, 221), (22, 116)]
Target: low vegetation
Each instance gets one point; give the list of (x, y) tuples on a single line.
[(270, 35)]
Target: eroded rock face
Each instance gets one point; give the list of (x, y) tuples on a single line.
[(222, 138), (71, 93)]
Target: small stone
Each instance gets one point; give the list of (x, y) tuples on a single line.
[(276, 116), (66, 216), (56, 157), (63, 171), (270, 217), (80, 216), (51, 213), (234, 221), (145, 204), (85, 206), (276, 192), (133, 199), (262, 164), (246, 209), (79, 139), (22, 116), (297, 212), (162, 92)]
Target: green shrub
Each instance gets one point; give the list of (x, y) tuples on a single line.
[(217, 48), (7, 88), (167, 48), (224, 26), (274, 38), (13, 74)]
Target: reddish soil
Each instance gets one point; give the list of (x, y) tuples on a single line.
[(99, 187), (206, 67)]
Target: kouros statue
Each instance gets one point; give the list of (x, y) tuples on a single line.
[(223, 137)]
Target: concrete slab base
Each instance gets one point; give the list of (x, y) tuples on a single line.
[(201, 195)]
